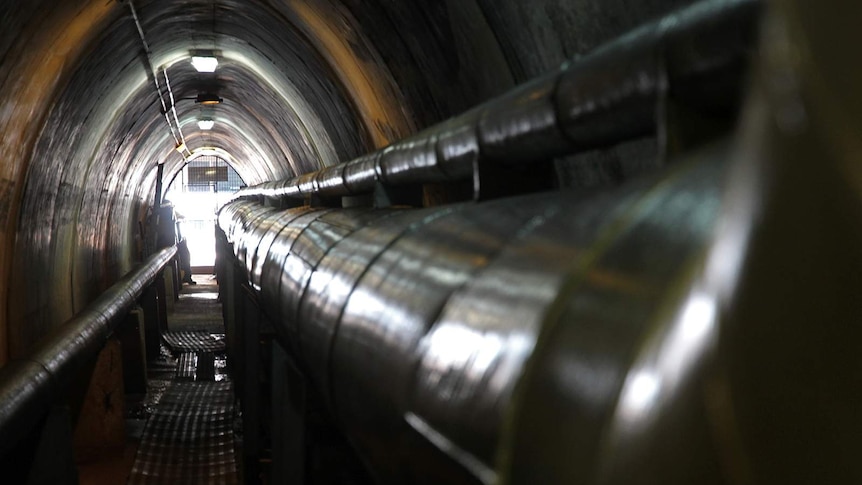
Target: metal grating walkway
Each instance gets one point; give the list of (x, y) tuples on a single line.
[(189, 435), (195, 341)]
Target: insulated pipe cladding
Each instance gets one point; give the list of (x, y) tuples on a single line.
[(532, 339)]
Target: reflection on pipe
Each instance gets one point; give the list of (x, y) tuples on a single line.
[(427, 331)]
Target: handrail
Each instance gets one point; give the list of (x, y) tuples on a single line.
[(28, 386), (696, 55)]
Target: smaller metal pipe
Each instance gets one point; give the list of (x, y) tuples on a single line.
[(29, 386), (147, 58), (174, 111), (696, 55)]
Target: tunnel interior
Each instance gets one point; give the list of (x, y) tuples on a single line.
[(305, 85), (98, 99)]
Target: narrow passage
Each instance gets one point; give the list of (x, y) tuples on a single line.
[(188, 435)]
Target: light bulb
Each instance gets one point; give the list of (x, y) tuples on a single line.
[(204, 63)]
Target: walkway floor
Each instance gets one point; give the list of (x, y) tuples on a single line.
[(188, 434)]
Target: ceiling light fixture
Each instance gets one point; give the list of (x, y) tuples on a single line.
[(206, 124), (205, 63), (208, 99)]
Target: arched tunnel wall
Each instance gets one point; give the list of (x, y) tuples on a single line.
[(771, 222), (305, 84)]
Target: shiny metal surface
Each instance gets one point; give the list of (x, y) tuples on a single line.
[(586, 372), (525, 127), (28, 387), (305, 84), (425, 330), (619, 338), (359, 175), (264, 245), (695, 56), (388, 316)]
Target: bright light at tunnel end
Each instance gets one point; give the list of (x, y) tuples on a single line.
[(206, 124), (204, 63)]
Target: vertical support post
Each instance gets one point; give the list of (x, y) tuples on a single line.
[(162, 297), (227, 289), (178, 284), (100, 427), (250, 394), (153, 236), (160, 172), (170, 289), (133, 340), (288, 419), (149, 302)]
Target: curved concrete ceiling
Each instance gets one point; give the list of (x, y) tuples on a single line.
[(305, 84)]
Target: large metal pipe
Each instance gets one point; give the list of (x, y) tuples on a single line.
[(29, 386), (695, 57), (420, 327)]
